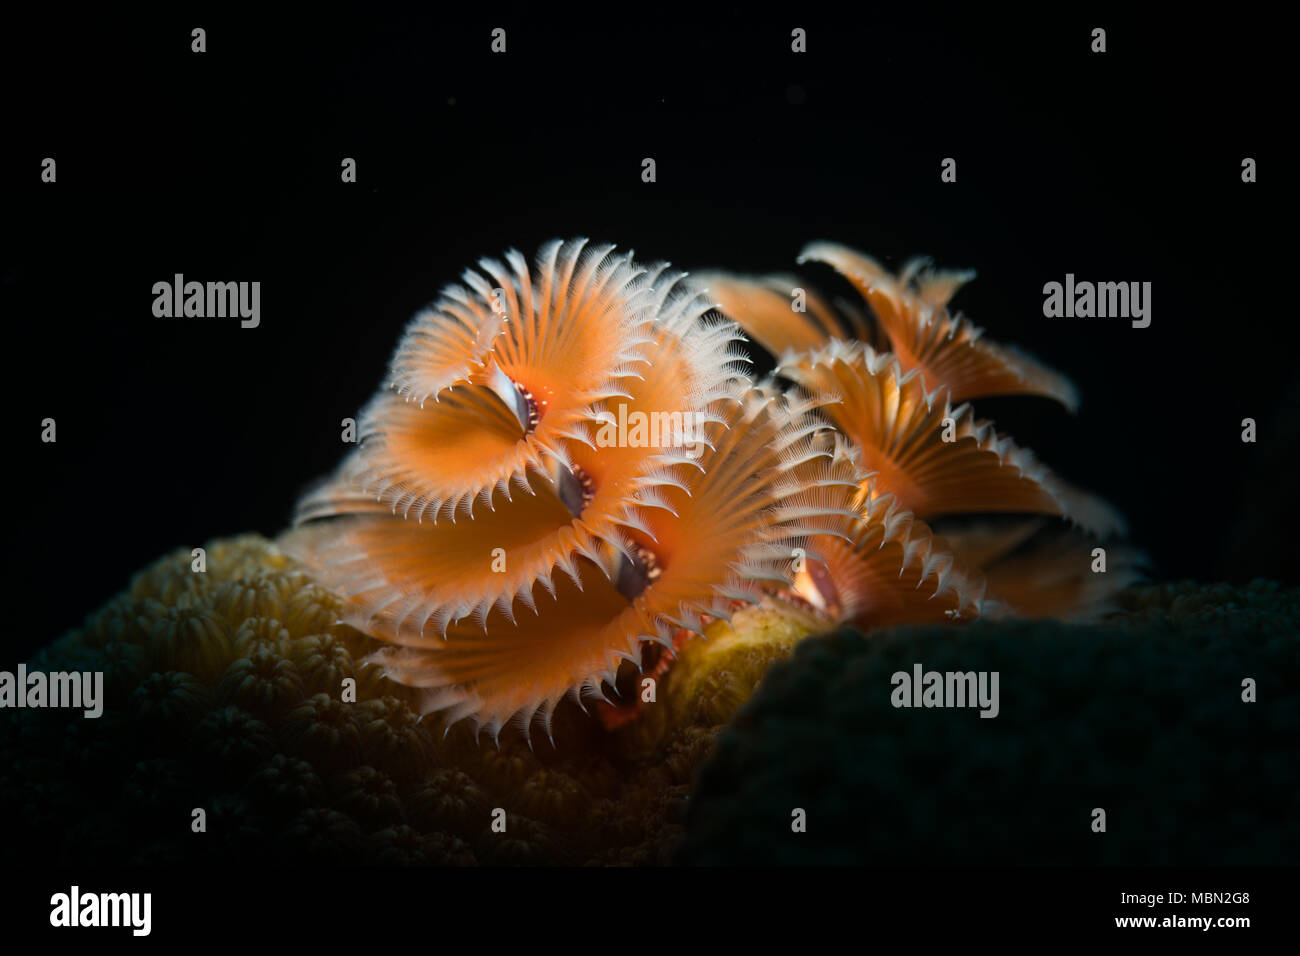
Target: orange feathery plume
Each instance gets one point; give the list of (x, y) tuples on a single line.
[(734, 531), (1040, 569), (765, 306), (525, 381), (948, 350), (886, 567), (570, 463), (925, 458), (935, 459)]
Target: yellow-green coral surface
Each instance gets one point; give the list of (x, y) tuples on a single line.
[(228, 686)]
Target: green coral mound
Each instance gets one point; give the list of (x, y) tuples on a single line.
[(1142, 717), (224, 693)]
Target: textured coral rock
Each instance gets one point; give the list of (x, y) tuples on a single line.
[(1142, 717), (257, 733)]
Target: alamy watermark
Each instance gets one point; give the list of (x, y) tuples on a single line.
[(209, 300), (75, 908), (638, 429), (1098, 300), (922, 688), (78, 690)]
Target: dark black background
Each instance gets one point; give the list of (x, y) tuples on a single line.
[(225, 166)]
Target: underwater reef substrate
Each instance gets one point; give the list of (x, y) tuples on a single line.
[(222, 694)]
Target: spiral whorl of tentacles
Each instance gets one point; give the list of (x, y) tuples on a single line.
[(929, 461), (571, 465), (507, 534)]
